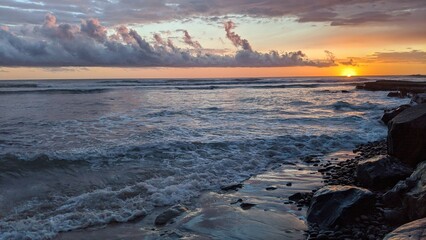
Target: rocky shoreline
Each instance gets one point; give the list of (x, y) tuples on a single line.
[(371, 195), (368, 193)]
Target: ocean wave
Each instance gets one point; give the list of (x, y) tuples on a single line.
[(189, 168), (18, 85), (345, 106), (56, 91), (17, 166)]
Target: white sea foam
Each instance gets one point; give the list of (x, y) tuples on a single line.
[(112, 156)]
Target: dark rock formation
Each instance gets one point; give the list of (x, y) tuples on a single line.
[(415, 200), (395, 196), (390, 85), (409, 196), (333, 205), (415, 230), (398, 94), (407, 135), (301, 198), (382, 172), (395, 216), (418, 98), (247, 206), (169, 214), (391, 113), (232, 187)]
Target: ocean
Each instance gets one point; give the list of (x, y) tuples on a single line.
[(82, 153)]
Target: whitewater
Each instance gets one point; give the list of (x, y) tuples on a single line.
[(81, 153)]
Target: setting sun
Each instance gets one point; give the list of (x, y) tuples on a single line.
[(349, 72)]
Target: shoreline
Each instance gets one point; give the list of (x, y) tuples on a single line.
[(272, 216), (260, 202)]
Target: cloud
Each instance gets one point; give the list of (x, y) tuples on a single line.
[(143, 11), (235, 38), (65, 69), (414, 56), (94, 29), (162, 43), (54, 44), (349, 62), (361, 18), (188, 40)]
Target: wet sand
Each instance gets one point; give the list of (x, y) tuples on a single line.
[(218, 215)]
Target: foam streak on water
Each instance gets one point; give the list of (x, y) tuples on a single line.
[(76, 154)]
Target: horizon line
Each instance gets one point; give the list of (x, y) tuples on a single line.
[(189, 78)]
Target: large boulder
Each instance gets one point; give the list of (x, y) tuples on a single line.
[(382, 172), (391, 113), (409, 195), (418, 98), (407, 135), (415, 230), (415, 200), (332, 205)]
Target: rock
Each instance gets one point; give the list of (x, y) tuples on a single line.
[(232, 187), (381, 172), (237, 201), (391, 85), (169, 214), (297, 196), (391, 113), (415, 230), (247, 206), (415, 199), (339, 204), (396, 195), (407, 135), (410, 194), (311, 159), (395, 217), (398, 94), (418, 98)]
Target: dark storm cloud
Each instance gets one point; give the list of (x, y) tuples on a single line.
[(54, 44), (337, 12)]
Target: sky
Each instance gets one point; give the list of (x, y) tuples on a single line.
[(50, 39)]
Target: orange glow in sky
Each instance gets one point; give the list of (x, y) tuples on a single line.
[(222, 40), (349, 72)]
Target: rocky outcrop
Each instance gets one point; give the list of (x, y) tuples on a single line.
[(391, 85), (407, 135), (169, 214), (332, 205), (398, 94), (415, 200), (381, 172), (415, 230), (409, 196), (391, 113), (418, 98)]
